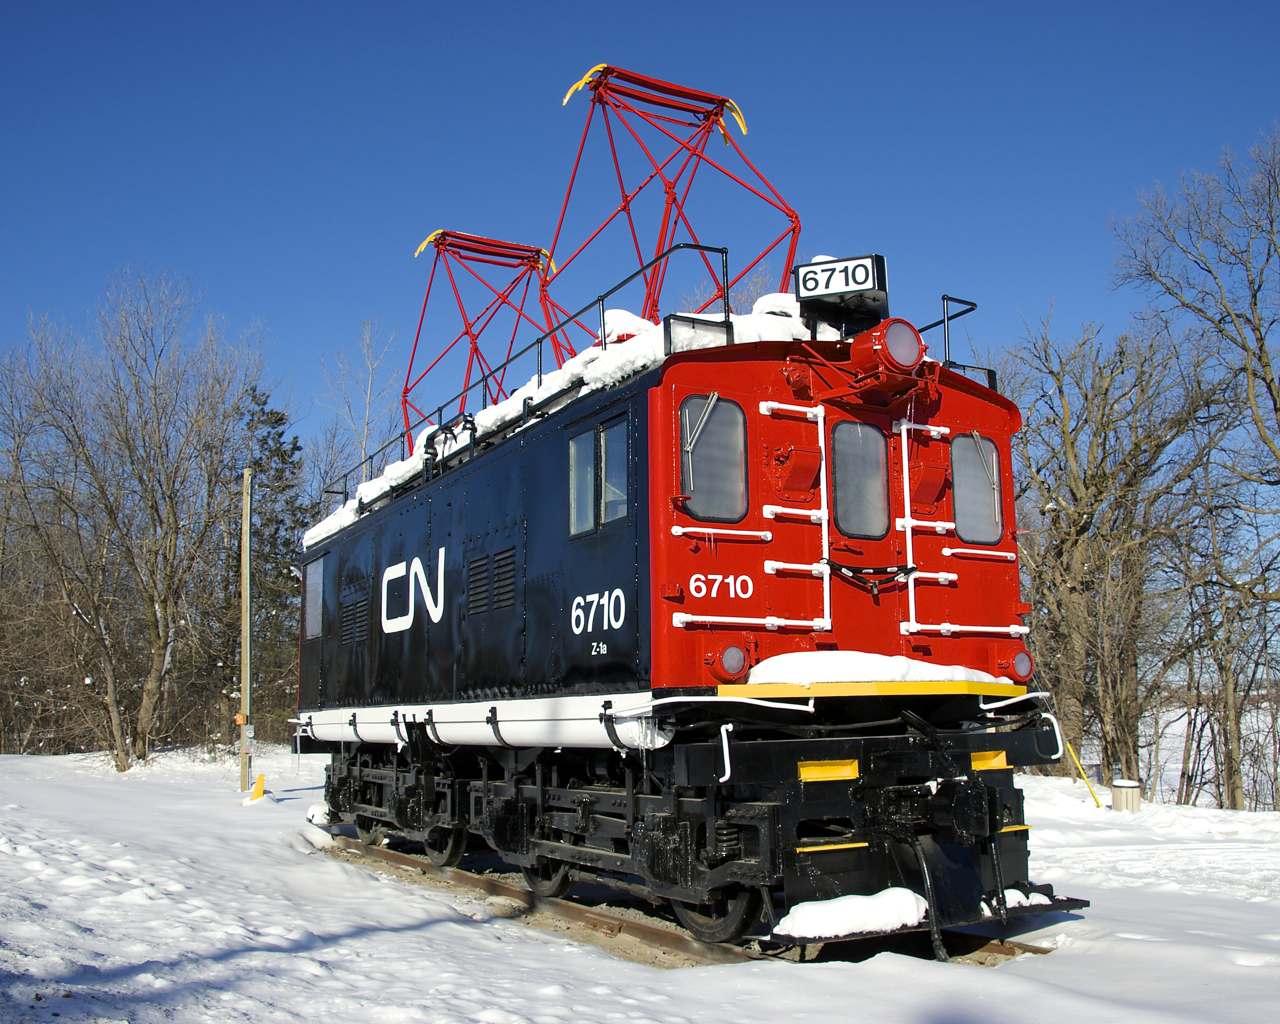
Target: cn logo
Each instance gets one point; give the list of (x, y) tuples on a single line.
[(417, 581)]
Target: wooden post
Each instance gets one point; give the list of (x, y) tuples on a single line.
[(246, 677)]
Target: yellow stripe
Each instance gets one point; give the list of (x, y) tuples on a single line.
[(1015, 828), (827, 771), (988, 760), (832, 846), (884, 688)]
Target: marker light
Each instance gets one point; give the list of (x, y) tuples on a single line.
[(734, 660), (1023, 665), (727, 663)]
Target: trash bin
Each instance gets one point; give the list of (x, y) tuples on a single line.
[(1126, 795)]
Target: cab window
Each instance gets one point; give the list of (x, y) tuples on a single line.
[(613, 472), (859, 461), (582, 483), (975, 486), (312, 598), (599, 468), (713, 458)]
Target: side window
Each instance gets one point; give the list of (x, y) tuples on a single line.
[(599, 468), (312, 598), (975, 486), (713, 458), (582, 483), (859, 466), (613, 472)]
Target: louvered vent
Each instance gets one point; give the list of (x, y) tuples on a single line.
[(478, 586), (355, 622), (504, 579)]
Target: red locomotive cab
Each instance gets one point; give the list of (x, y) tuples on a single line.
[(790, 518)]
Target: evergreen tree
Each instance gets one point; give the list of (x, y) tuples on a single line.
[(281, 512)]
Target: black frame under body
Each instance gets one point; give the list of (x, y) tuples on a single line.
[(513, 495)]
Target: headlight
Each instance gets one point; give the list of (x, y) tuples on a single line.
[(892, 345), (903, 344)]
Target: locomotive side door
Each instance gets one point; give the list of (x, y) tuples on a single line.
[(740, 526), (583, 553), (350, 664)]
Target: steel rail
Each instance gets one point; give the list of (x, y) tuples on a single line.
[(604, 921)]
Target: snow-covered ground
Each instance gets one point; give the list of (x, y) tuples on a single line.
[(156, 896)]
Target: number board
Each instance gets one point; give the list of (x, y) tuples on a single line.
[(839, 277)]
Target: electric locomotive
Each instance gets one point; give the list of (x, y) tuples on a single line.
[(725, 612)]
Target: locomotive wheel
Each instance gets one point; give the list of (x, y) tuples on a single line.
[(726, 919), (550, 879), (445, 846), (370, 831)]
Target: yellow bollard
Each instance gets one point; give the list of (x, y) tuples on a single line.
[(258, 788)]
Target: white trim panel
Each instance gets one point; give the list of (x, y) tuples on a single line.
[(538, 722)]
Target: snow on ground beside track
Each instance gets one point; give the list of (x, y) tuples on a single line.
[(154, 896)]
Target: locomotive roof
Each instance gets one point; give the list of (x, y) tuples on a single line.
[(634, 346)]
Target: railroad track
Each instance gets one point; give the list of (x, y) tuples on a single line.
[(606, 925)]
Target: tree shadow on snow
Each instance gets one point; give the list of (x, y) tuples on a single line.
[(90, 981)]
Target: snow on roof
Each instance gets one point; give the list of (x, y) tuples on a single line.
[(635, 345)]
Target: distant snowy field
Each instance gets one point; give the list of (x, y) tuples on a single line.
[(155, 896)]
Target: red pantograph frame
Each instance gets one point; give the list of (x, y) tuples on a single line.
[(633, 101), (456, 252)]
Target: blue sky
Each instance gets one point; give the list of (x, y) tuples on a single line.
[(292, 156)]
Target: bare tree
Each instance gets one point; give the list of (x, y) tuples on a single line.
[(329, 453), (1208, 255), (1230, 638), (126, 468), (68, 529), (361, 394), (1108, 465), (741, 299)]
